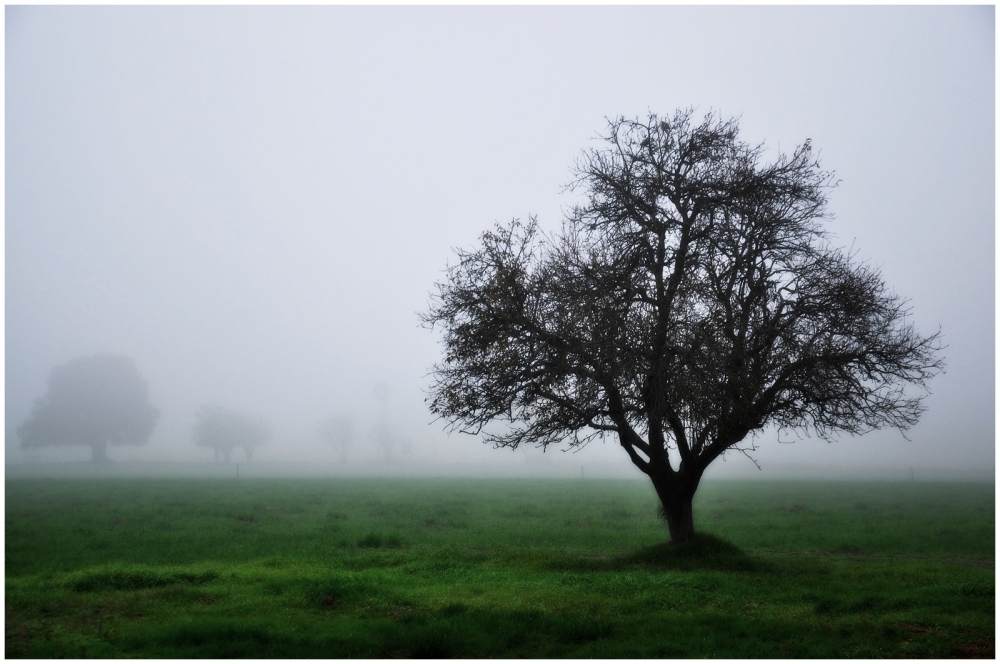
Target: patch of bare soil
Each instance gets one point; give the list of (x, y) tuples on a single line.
[(983, 648)]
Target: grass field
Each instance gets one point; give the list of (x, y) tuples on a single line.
[(494, 568)]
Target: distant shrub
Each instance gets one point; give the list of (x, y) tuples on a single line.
[(331, 591), (376, 540), (453, 609), (370, 541)]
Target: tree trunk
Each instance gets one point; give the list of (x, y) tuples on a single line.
[(99, 453), (680, 520), (676, 496)]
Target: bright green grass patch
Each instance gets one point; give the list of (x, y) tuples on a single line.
[(500, 568)]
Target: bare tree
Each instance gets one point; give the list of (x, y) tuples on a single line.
[(339, 432), (689, 302), (382, 392), (384, 434), (386, 439), (93, 401)]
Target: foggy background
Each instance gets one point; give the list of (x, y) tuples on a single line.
[(254, 203)]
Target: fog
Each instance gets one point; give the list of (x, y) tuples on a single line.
[(254, 203)]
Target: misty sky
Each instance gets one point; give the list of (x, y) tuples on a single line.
[(255, 202)]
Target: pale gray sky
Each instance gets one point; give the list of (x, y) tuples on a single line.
[(254, 202)]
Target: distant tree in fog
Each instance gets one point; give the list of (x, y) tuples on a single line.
[(338, 432), (94, 401), (690, 301), (224, 430), (382, 392), (386, 439)]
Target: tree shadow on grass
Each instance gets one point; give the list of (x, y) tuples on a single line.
[(704, 552)]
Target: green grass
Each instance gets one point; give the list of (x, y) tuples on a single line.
[(339, 568)]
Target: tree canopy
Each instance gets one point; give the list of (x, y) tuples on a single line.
[(691, 300), (224, 430), (95, 401)]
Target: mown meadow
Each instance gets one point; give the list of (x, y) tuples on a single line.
[(340, 568)]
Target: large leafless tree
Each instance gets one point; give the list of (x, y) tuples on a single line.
[(690, 301)]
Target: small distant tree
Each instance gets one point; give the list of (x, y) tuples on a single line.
[(339, 433), (384, 433), (257, 432), (689, 302), (224, 430), (386, 440), (96, 401)]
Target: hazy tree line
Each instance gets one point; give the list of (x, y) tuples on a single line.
[(103, 400)]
